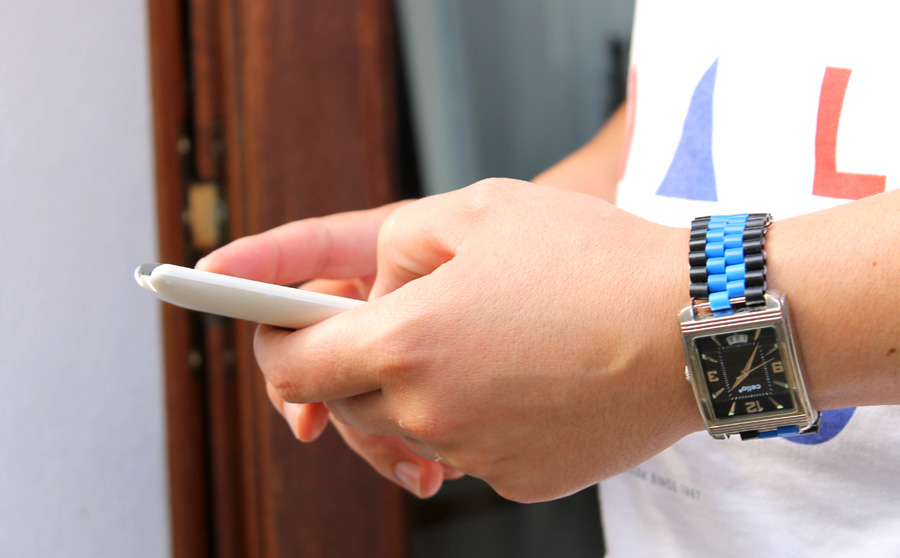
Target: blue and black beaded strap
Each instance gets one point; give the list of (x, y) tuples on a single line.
[(728, 259)]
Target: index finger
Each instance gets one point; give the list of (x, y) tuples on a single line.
[(337, 246), (303, 369), (344, 356)]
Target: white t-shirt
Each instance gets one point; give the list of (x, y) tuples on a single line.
[(782, 107)]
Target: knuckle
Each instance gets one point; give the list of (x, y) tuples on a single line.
[(392, 226), (515, 493), (509, 481), (286, 379), (484, 194), (422, 426), (526, 489), (488, 192), (388, 230), (474, 463), (493, 198), (283, 380), (339, 412), (395, 353), (283, 370)]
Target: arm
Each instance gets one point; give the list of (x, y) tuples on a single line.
[(493, 341), (840, 268)]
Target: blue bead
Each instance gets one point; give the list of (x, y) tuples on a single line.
[(717, 250), (715, 266), (733, 256), (734, 241), (735, 228), (717, 283), (735, 288), (768, 434), (719, 301), (736, 272), (715, 235), (788, 430)]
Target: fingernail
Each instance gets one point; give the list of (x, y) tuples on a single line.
[(291, 415), (408, 475)]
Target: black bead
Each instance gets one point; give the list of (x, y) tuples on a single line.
[(757, 222), (750, 435), (698, 274), (699, 290), (754, 246), (755, 295), (751, 234), (698, 244), (698, 233), (755, 261), (755, 278), (697, 259)]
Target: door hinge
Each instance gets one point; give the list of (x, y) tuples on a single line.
[(205, 215), (204, 210)]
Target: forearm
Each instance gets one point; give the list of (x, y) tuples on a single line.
[(840, 269), (594, 168)]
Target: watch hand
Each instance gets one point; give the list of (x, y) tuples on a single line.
[(747, 373), (763, 363), (746, 370), (743, 377)]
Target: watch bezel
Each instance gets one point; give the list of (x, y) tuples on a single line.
[(698, 321)]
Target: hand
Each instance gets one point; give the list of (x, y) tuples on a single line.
[(520, 334), (339, 250), (747, 370)]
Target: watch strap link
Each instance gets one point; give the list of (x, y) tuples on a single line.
[(779, 432), (728, 260)]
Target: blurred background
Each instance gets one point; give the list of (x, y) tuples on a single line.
[(135, 131)]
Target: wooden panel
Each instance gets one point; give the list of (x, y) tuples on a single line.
[(206, 41), (184, 386), (314, 117), (318, 123)]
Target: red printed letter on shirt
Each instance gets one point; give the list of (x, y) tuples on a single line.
[(829, 182)]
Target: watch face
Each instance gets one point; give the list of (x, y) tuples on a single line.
[(744, 373)]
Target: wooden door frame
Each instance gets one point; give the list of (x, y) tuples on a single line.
[(289, 109)]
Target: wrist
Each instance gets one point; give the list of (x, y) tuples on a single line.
[(666, 372), (691, 418), (833, 310)]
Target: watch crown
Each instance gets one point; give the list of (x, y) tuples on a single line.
[(687, 374)]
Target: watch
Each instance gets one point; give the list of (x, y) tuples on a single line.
[(742, 360)]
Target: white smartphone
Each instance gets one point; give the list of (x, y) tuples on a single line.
[(239, 298)]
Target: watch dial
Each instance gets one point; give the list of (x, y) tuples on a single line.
[(744, 373)]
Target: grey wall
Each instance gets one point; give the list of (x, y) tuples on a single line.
[(82, 466), (507, 87)]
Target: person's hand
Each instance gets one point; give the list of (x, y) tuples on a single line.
[(340, 252), (521, 334)]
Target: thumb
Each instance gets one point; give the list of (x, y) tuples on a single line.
[(416, 240)]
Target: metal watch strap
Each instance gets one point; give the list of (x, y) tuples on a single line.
[(728, 259)]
